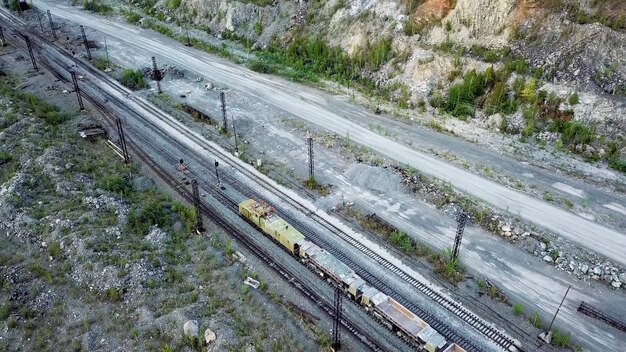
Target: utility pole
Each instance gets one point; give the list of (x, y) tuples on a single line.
[(157, 74), (336, 343), (461, 219), (106, 50), (54, 34), (196, 202), (223, 100), (546, 336), (30, 52), (2, 43), (82, 30), (235, 134), (39, 19), (77, 90), (187, 33), (120, 132), (311, 160)]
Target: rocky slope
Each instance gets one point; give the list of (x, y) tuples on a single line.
[(569, 46)]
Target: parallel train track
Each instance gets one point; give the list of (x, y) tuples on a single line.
[(473, 320)]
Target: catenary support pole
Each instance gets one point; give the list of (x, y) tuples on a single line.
[(30, 52), (54, 34), (336, 341), (311, 160), (196, 202), (223, 101), (106, 51), (156, 73), (546, 336), (77, 90), (461, 219), (235, 134), (82, 31), (120, 132), (39, 19)]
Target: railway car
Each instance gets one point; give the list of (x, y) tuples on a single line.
[(328, 265), (264, 217)]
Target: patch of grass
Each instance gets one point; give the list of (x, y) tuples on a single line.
[(153, 212), (101, 63), (560, 339), (518, 309), (573, 99), (116, 184), (38, 271), (133, 79), (535, 320), (402, 241), (50, 113), (461, 96), (173, 4)]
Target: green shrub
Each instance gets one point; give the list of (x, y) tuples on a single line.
[(97, 7), (133, 79), (39, 271), (518, 309), (132, 17), (258, 28), (101, 63), (113, 294), (402, 241), (116, 184), (574, 133), (462, 96), (5, 310), (153, 213), (261, 67), (5, 157), (573, 99), (173, 4), (619, 165), (54, 249)]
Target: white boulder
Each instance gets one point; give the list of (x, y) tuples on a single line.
[(191, 328)]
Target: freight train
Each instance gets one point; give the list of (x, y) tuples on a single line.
[(385, 309)]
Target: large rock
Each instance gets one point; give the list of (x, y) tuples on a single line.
[(548, 259), (598, 271), (616, 284), (584, 268), (191, 328), (209, 336), (622, 278)]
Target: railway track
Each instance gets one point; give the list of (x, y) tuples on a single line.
[(215, 217), (470, 318)]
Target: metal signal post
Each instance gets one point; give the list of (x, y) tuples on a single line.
[(77, 90), (311, 160), (120, 132), (30, 52), (223, 101)]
